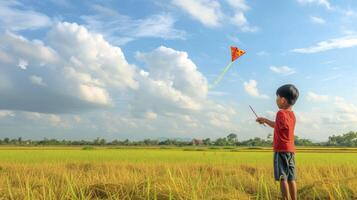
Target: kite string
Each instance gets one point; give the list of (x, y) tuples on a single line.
[(219, 78)]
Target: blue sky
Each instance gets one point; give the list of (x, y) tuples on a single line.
[(141, 69)]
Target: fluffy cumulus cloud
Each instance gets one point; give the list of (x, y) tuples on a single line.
[(171, 83), (77, 78), (239, 19), (167, 92), (175, 69), (208, 12), (251, 88)]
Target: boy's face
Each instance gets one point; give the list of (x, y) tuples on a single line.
[(281, 102)]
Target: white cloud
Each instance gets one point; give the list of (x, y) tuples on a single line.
[(14, 16), (324, 3), (349, 12), (174, 84), (37, 80), (270, 114), (263, 53), (94, 94), (23, 64), (311, 96), (337, 43), (208, 12), (181, 73), (6, 113), (96, 75), (239, 19), (92, 55), (23, 51), (49, 119), (317, 20), (239, 4), (121, 29), (78, 78), (285, 70), (334, 77), (344, 115), (77, 118), (150, 115), (345, 107), (251, 88), (95, 71), (161, 26), (217, 93)]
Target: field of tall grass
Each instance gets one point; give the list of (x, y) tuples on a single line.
[(185, 173)]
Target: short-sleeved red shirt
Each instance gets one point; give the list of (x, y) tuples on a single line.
[(284, 131)]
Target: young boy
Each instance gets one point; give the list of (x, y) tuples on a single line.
[(284, 149)]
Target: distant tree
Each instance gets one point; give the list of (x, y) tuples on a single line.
[(270, 137), (150, 142), (232, 138), (207, 141), (348, 139), (126, 142), (221, 142), (96, 141), (102, 142), (115, 142), (19, 140), (302, 142)]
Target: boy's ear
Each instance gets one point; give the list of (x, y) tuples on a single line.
[(284, 100)]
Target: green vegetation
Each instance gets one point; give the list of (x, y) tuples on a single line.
[(344, 140), (225, 168), (170, 173)]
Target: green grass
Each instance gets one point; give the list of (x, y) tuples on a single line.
[(208, 156), (176, 173)]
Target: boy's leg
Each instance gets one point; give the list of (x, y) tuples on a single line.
[(284, 187), (292, 190), (292, 177), (280, 169)]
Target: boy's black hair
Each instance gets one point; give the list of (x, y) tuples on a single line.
[(289, 92)]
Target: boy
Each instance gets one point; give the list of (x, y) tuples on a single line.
[(284, 149)]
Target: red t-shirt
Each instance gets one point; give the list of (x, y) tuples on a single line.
[(284, 131)]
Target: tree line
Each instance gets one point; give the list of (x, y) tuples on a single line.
[(346, 140)]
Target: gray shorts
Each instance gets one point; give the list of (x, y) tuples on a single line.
[(284, 166)]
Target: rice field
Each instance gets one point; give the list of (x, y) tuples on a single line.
[(170, 173)]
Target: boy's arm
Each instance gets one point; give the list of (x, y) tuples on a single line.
[(263, 120)]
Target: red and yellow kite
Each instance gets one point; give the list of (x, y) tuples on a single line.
[(236, 53)]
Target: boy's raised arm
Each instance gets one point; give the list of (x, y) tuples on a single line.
[(263, 120)]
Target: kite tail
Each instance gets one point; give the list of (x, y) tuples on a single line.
[(220, 77)]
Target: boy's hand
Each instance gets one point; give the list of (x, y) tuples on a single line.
[(261, 120)]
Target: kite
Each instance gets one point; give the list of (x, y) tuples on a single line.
[(236, 53)]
